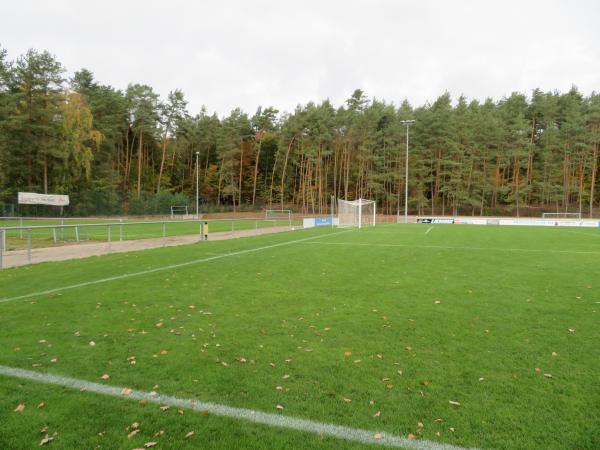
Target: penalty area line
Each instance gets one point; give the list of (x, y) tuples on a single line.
[(264, 418), (163, 268)]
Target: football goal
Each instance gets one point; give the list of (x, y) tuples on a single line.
[(562, 215), (279, 214), (357, 213), (180, 212)]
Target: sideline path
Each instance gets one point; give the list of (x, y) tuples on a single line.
[(96, 248)]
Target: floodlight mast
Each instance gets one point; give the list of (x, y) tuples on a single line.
[(408, 123)]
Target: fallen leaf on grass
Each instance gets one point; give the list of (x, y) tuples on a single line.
[(190, 434), (455, 403), (537, 369), (286, 376), (92, 344), (105, 376), (347, 400), (20, 408), (377, 436), (377, 414), (126, 391), (150, 444), (554, 354), (45, 440), (347, 353), (411, 436), (548, 375), (164, 407), (132, 434), (134, 425), (279, 407)]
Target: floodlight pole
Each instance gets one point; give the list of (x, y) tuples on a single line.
[(197, 186), (408, 123)]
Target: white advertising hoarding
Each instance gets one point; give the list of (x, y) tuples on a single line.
[(31, 198)]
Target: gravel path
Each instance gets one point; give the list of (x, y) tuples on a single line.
[(84, 250)]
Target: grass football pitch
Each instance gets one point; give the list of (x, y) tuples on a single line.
[(476, 337)]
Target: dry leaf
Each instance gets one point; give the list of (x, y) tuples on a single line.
[(451, 429), (105, 376), (347, 353), (41, 405), (92, 344), (420, 424), (452, 402), (554, 354), (377, 436), (548, 375), (134, 425), (279, 407), (279, 388), (163, 352), (190, 434), (20, 408), (347, 400), (377, 414), (133, 433), (481, 379), (286, 376), (411, 436), (150, 444), (54, 360), (45, 440), (164, 407), (126, 391)]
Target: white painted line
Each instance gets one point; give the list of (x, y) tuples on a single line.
[(428, 230), (449, 247), (162, 268), (269, 419)]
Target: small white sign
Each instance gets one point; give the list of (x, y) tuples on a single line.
[(31, 198)]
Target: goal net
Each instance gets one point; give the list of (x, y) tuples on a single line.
[(357, 213), (180, 212), (562, 215), (279, 214)]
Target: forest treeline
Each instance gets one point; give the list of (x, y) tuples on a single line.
[(130, 152)]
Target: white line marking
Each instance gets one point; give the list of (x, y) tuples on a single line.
[(448, 247), (273, 420), (169, 267), (428, 230)]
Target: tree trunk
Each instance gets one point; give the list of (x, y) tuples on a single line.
[(287, 154), (594, 171), (256, 173), (139, 174), (162, 160)]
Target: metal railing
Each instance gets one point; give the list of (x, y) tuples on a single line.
[(80, 231)]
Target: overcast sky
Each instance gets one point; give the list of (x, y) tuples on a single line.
[(226, 54)]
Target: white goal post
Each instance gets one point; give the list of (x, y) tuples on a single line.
[(357, 213), (179, 211), (279, 214), (562, 215)]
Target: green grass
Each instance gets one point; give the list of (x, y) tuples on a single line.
[(44, 237), (445, 309)]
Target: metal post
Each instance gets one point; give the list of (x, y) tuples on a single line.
[(76, 233), (21, 230), (197, 187), (408, 123), (28, 245), (2, 234), (360, 213), (62, 229), (108, 226), (121, 230), (54, 234), (164, 233), (201, 231)]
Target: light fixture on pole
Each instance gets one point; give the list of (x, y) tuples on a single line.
[(197, 186), (408, 123)]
